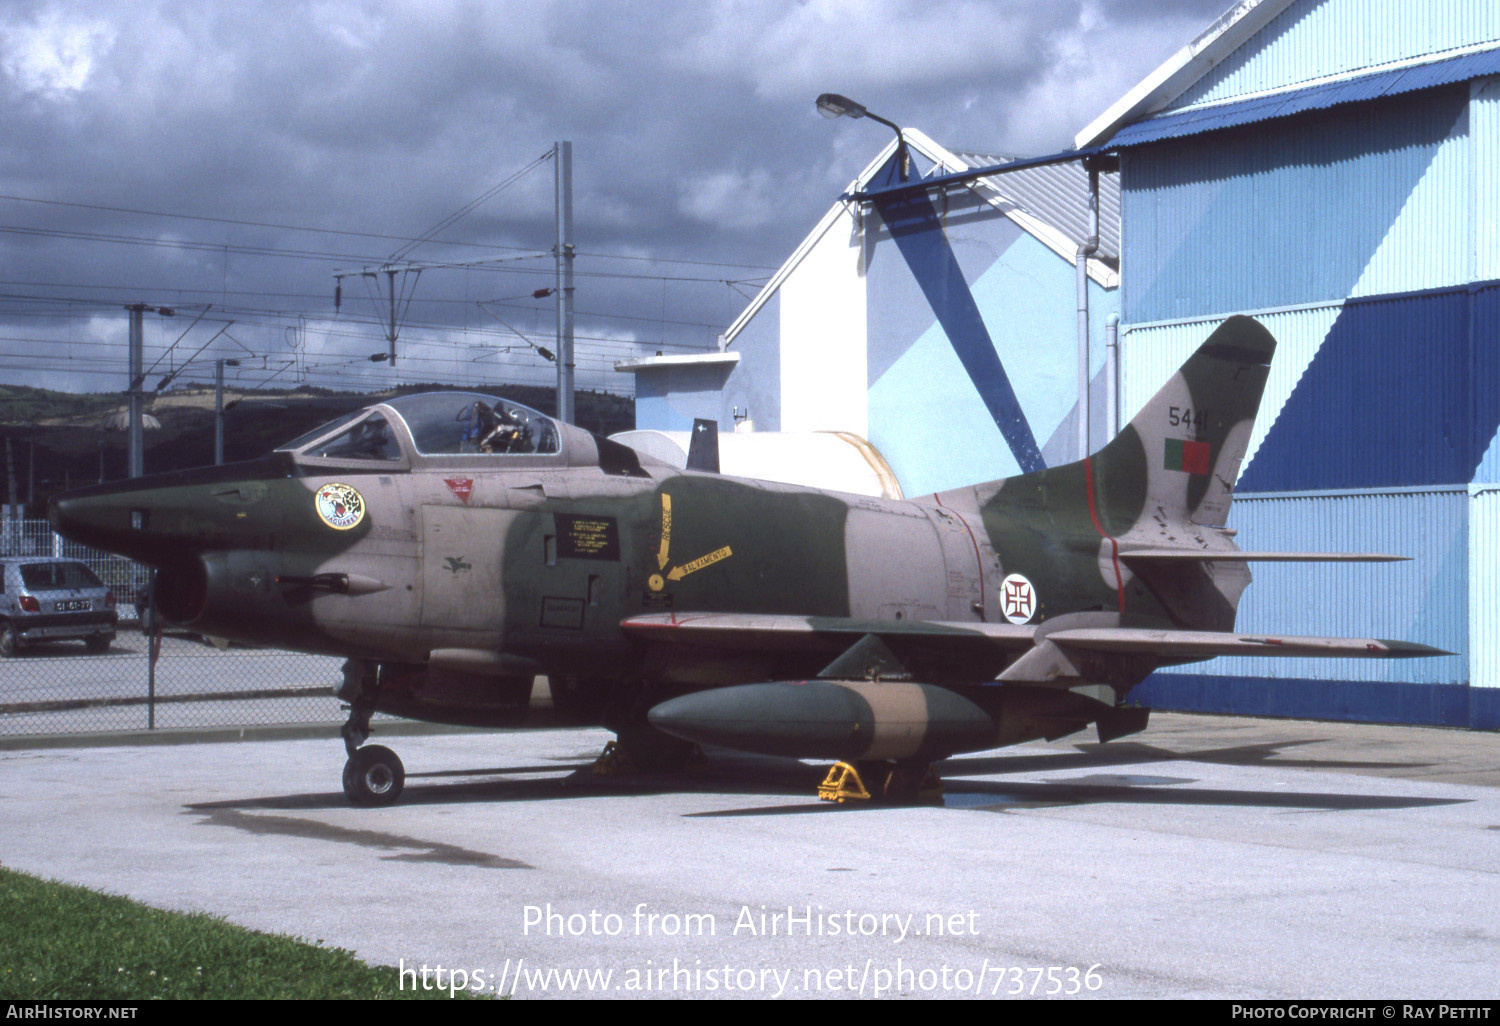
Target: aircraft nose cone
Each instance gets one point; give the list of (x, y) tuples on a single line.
[(104, 517), (164, 517)]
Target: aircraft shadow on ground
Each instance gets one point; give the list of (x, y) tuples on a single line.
[(732, 773), (1124, 753)]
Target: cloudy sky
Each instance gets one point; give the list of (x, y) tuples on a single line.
[(235, 155)]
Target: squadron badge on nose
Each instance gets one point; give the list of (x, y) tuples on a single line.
[(340, 506)]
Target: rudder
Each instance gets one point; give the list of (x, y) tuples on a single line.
[(1181, 454)]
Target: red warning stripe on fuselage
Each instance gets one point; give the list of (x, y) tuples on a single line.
[(1114, 546)]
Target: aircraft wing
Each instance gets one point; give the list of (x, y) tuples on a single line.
[(1073, 653), (757, 630), (754, 630)]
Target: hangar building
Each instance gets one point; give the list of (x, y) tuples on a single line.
[(1330, 167), (1327, 166), (952, 346)]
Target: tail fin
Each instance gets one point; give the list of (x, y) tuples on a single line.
[(1177, 459), (1180, 455), (1162, 484)]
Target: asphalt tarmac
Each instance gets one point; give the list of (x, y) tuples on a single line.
[(1208, 857)]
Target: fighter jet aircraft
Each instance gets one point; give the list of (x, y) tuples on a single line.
[(453, 546)]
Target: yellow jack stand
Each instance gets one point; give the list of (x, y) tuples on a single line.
[(896, 784), (843, 784)]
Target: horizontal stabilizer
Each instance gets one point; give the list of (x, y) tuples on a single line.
[(1170, 644), (1235, 556)]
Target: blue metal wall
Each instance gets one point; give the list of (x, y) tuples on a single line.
[(1484, 587), (1424, 598), (1364, 236), (970, 368), (1402, 392), (1262, 217)]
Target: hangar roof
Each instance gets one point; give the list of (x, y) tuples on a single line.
[(1185, 67), (1050, 203), (1058, 195), (1412, 78), (1370, 72)]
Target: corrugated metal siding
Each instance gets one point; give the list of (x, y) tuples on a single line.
[(1397, 391), (1150, 355), (1423, 600), (1484, 142), (1379, 221), (1247, 219), (1485, 383), (1429, 244), (1316, 38), (1386, 402), (1484, 588)]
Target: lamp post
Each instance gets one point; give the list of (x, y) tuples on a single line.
[(832, 105)]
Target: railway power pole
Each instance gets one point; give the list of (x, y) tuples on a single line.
[(564, 252)]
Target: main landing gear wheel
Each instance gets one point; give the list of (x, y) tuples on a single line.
[(374, 776)]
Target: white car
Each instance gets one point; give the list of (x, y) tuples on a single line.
[(44, 599)]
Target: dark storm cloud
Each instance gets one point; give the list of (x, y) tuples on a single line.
[(693, 129)]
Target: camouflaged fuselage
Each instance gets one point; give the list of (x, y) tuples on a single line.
[(539, 557)]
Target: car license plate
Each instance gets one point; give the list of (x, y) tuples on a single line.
[(71, 605)]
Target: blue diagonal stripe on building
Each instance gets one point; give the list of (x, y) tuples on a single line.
[(913, 223)]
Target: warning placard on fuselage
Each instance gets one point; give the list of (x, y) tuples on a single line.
[(580, 536)]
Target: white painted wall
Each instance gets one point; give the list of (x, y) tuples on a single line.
[(823, 368)]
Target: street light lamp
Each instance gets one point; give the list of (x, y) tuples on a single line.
[(832, 105)]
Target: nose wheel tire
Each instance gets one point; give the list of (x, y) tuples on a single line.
[(374, 776)]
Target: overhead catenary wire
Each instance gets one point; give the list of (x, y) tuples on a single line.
[(89, 348), (469, 207), (369, 235)]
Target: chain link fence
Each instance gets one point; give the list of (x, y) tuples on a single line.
[(57, 688)]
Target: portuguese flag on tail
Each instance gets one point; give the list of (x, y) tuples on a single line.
[(1190, 457)]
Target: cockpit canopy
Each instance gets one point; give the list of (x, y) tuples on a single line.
[(432, 424)]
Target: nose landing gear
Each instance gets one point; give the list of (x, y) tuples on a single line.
[(373, 775)]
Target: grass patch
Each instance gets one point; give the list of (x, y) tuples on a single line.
[(61, 942)]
